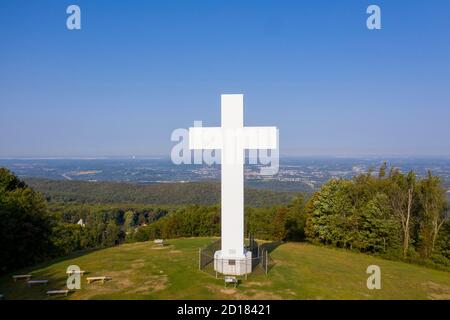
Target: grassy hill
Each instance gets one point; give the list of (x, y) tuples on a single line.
[(202, 193), (302, 271)]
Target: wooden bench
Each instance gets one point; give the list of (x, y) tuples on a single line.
[(159, 241), (21, 276), (230, 279), (70, 272), (102, 279), (52, 292), (31, 282)]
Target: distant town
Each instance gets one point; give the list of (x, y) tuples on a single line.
[(295, 174)]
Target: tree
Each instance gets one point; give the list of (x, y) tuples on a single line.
[(129, 220), (432, 201), (66, 238), (25, 224), (296, 219), (329, 214), (278, 226), (443, 240), (141, 219), (112, 233), (382, 172), (378, 230), (401, 196)]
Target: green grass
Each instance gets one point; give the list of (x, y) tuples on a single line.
[(302, 271)]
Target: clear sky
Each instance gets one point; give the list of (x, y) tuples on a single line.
[(139, 69)]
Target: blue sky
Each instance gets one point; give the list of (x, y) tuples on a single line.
[(139, 69)]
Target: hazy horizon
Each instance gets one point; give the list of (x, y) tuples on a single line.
[(149, 157)]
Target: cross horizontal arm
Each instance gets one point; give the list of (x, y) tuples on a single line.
[(246, 137)]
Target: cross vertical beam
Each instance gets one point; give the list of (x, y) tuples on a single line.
[(232, 177)]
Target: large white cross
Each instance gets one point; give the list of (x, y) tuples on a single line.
[(232, 138)]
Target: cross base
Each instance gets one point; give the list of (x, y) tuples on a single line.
[(233, 265)]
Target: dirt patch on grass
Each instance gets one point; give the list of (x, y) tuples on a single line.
[(219, 289), (228, 291), (257, 284), (251, 294), (121, 279), (152, 284), (291, 292), (161, 247), (138, 263), (437, 291), (258, 295)]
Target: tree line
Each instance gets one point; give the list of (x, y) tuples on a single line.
[(391, 213), (202, 193)]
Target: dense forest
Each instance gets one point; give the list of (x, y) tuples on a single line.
[(201, 193), (387, 213), (394, 214)]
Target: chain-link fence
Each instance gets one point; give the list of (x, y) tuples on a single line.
[(260, 262)]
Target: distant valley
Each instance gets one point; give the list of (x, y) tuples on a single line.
[(305, 174)]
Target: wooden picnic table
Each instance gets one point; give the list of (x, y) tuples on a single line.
[(30, 282), (21, 276), (102, 278), (81, 272), (52, 292)]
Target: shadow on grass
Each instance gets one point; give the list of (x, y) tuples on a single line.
[(269, 247), (20, 289), (47, 263)]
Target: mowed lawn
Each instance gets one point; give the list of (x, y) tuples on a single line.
[(301, 271)]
